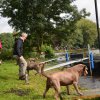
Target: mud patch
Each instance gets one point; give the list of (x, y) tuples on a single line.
[(18, 92)]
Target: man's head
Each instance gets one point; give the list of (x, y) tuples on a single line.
[(24, 36)]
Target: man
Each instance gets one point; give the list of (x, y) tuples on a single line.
[(18, 52)]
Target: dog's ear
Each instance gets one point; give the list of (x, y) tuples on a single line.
[(85, 70), (85, 67)]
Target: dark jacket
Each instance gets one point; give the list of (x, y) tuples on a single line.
[(18, 47)]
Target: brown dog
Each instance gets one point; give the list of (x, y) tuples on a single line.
[(32, 65), (64, 78)]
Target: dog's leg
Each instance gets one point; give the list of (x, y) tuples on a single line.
[(46, 90), (56, 95), (57, 90), (76, 88), (67, 87)]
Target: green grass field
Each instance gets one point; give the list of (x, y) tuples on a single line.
[(13, 89)]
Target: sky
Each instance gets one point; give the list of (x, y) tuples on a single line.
[(88, 4)]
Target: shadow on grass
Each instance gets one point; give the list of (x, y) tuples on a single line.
[(36, 96), (40, 97), (26, 92), (7, 78), (4, 78), (51, 97), (18, 92)]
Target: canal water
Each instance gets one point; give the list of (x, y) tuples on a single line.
[(90, 82)]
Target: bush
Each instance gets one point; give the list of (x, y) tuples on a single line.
[(48, 50), (30, 54), (6, 54), (7, 45)]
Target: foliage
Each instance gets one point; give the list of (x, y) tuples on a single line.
[(7, 45), (48, 50), (42, 18), (85, 33), (31, 54), (64, 31), (6, 54)]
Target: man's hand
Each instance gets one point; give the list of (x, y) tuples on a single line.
[(21, 57)]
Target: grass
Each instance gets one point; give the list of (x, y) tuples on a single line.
[(13, 89)]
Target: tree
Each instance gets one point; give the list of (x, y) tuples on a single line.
[(41, 18), (85, 33), (7, 45)]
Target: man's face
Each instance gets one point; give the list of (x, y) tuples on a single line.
[(24, 37)]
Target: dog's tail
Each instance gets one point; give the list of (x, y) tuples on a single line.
[(42, 71)]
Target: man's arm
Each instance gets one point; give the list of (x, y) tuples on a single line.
[(19, 44)]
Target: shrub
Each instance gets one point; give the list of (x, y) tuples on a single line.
[(32, 54), (48, 50), (6, 54), (7, 45)]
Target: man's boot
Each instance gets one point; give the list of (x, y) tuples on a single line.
[(22, 77)]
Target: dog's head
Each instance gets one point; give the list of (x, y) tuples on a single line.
[(40, 67), (82, 69), (32, 59)]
